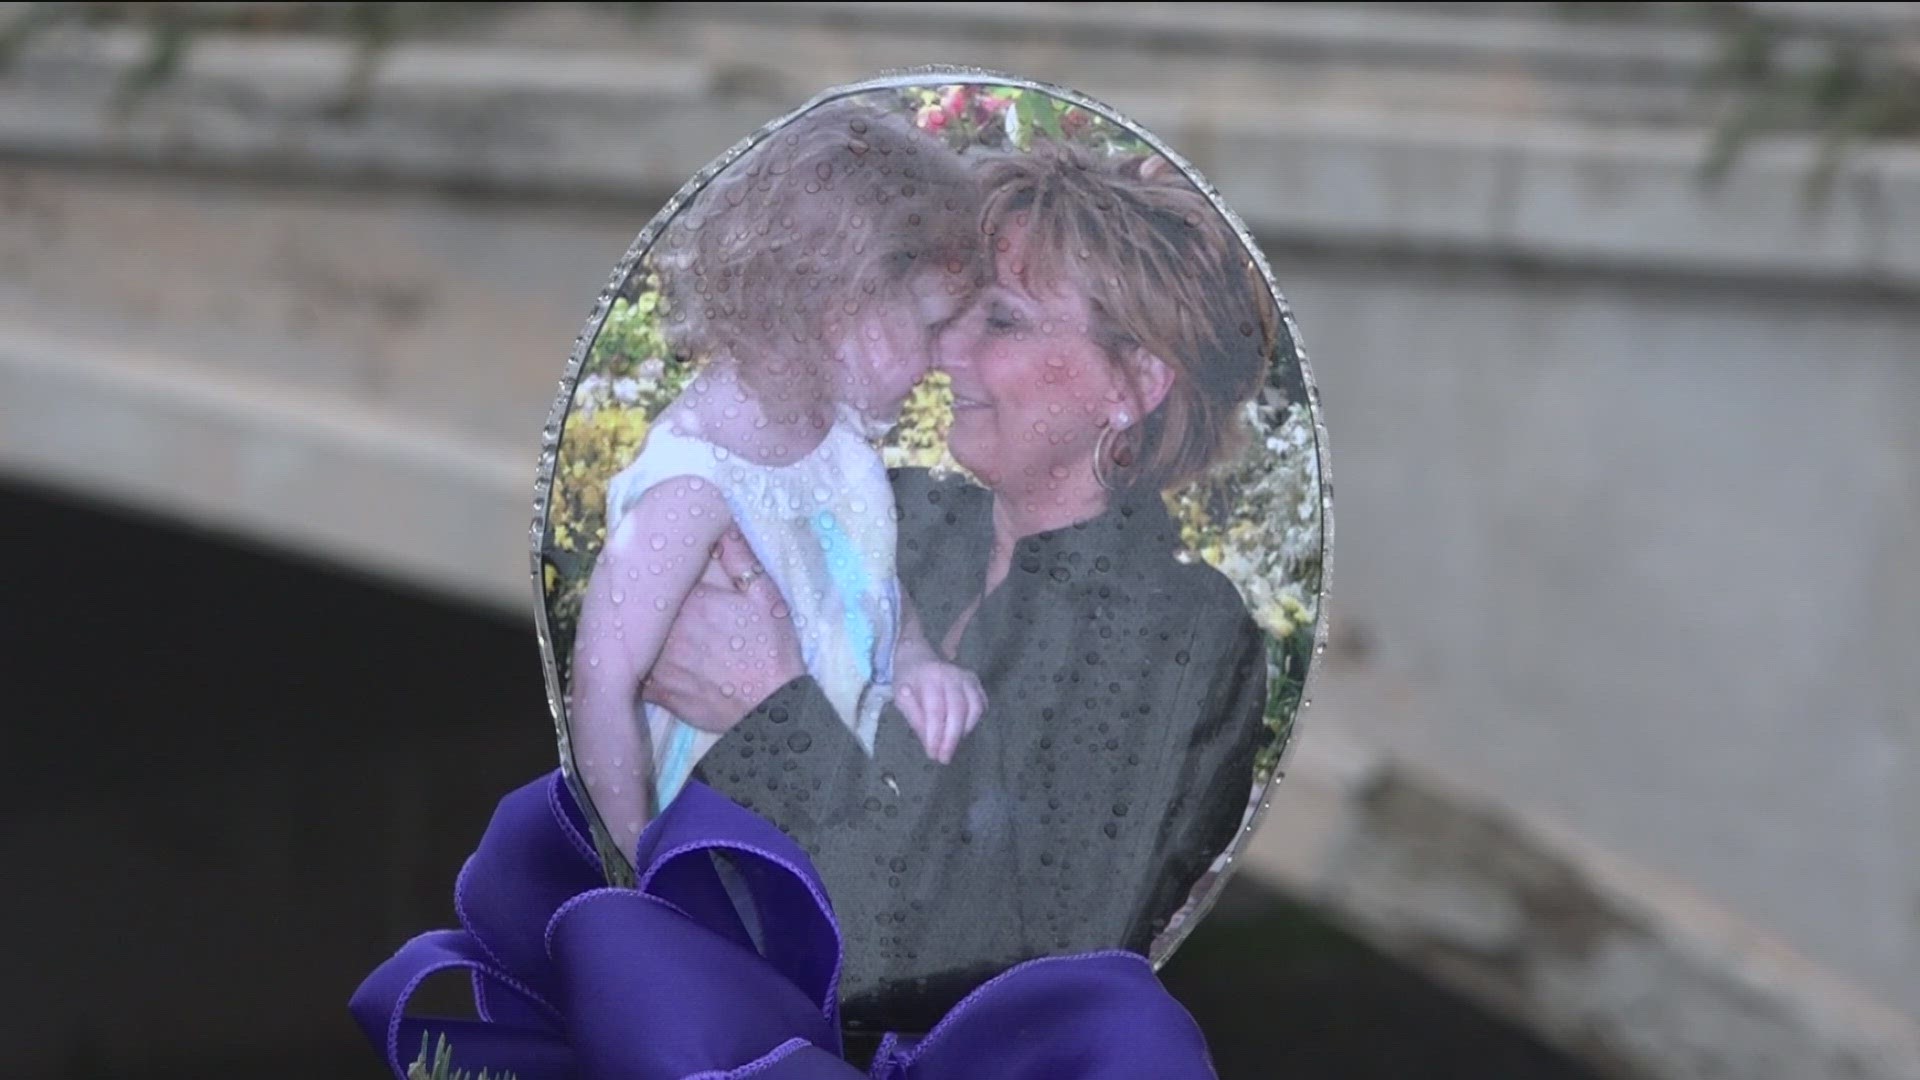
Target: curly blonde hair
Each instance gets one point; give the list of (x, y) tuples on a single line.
[(1163, 271), (827, 215)]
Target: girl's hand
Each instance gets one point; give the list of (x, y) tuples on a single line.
[(942, 703)]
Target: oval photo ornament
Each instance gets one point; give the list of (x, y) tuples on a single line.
[(941, 478)]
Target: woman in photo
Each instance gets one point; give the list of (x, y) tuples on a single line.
[(1107, 362)]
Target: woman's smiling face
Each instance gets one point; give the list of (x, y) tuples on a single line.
[(1031, 387)]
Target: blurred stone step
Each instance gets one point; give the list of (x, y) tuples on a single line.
[(1400, 34), (630, 127)]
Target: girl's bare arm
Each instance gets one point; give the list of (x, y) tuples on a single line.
[(645, 570)]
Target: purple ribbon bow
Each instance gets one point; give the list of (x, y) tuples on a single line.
[(576, 981)]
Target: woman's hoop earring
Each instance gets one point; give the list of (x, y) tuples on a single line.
[(1105, 457)]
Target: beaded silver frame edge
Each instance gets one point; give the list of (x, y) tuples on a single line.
[(551, 433)]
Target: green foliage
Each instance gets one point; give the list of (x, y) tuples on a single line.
[(438, 1065), (373, 26), (1854, 89), (1287, 660), (630, 339)]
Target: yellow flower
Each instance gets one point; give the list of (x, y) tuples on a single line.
[(1273, 619)]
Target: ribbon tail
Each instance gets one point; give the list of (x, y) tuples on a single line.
[(379, 1008)]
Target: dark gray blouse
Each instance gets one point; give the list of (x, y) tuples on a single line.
[(1113, 764)]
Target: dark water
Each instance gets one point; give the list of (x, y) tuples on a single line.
[(231, 783)]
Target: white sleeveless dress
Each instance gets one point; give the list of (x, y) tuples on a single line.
[(824, 528)]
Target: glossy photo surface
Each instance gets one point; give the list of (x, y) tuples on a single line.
[(942, 480)]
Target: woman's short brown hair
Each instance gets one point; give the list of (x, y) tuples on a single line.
[(1164, 271), (833, 211)]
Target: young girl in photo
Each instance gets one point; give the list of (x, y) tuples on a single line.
[(809, 279)]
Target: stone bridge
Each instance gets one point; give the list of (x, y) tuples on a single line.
[(1619, 732)]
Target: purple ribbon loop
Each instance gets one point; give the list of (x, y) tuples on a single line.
[(576, 981)]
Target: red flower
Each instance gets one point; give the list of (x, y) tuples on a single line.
[(954, 103)]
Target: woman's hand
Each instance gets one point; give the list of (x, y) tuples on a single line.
[(731, 646)]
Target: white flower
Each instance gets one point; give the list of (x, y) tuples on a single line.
[(589, 394), (1271, 545), (626, 390), (652, 371)]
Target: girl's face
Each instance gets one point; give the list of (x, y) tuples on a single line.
[(890, 344), (1031, 388)]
